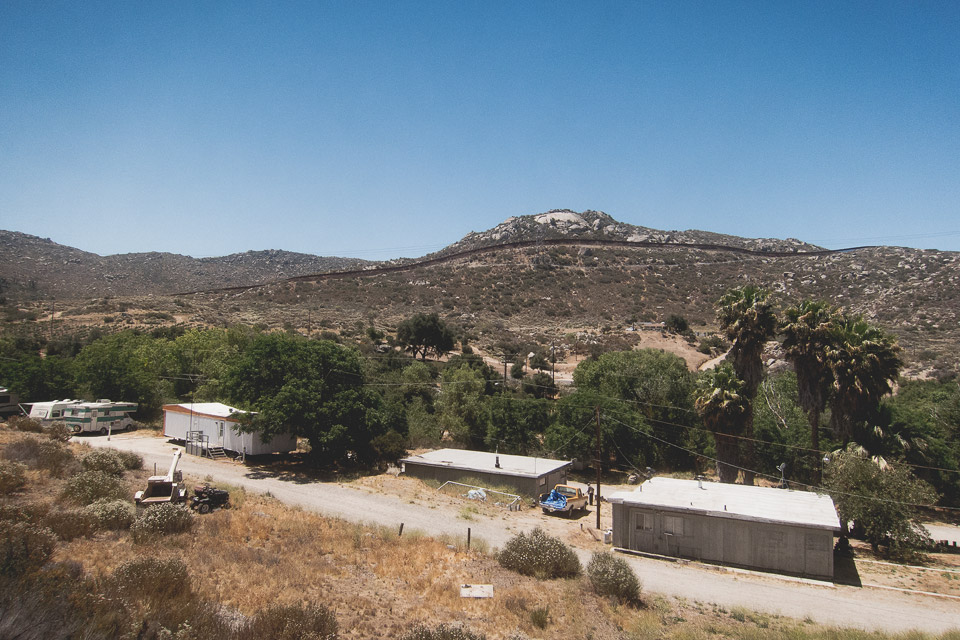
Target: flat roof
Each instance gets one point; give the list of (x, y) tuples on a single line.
[(758, 504), (486, 462), (207, 409)]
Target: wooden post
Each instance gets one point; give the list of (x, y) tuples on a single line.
[(468, 538), (598, 467), (401, 530)]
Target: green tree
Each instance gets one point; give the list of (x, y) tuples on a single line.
[(423, 333), (516, 424), (808, 334), (659, 386), (748, 320), (310, 388), (540, 385), (461, 406), (624, 434), (724, 409), (864, 361), (881, 499), (127, 366), (921, 426)]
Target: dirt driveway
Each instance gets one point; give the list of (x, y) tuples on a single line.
[(390, 501)]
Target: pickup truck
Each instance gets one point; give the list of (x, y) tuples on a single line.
[(563, 499)]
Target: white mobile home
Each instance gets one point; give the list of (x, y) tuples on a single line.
[(754, 527), (213, 425)]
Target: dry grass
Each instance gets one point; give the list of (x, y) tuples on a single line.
[(379, 585)]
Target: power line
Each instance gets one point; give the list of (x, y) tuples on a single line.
[(815, 488)]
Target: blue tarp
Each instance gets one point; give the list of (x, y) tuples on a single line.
[(555, 500)]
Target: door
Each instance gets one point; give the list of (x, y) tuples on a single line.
[(641, 531)]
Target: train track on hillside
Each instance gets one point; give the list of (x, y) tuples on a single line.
[(525, 244)]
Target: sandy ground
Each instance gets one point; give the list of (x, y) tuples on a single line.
[(390, 501)]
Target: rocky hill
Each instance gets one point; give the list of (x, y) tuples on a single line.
[(557, 276), (39, 266)]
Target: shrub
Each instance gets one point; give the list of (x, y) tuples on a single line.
[(161, 519), (293, 622), (539, 555), (442, 632), (612, 576), (105, 460), (89, 486), (23, 423), (152, 579), (49, 455), (12, 477), (58, 431), (23, 546), (540, 617), (112, 514), (131, 461), (68, 524)]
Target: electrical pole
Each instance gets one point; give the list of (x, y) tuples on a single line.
[(598, 467)]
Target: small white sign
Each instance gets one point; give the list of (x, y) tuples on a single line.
[(476, 591)]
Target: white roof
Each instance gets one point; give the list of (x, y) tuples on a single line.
[(486, 462), (215, 409), (760, 504)]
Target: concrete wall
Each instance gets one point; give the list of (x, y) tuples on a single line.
[(522, 485), (797, 550)]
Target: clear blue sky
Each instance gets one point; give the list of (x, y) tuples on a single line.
[(387, 129)]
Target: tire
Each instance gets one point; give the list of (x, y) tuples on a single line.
[(545, 510), (103, 431), (204, 508)]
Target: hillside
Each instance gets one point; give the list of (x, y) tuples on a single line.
[(561, 277)]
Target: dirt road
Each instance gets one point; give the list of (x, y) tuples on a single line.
[(866, 608)]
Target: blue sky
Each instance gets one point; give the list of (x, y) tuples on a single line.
[(388, 129)]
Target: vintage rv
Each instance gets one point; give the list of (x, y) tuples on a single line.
[(100, 417), (49, 412)]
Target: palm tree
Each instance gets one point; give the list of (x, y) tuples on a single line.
[(747, 318), (724, 408), (864, 362), (808, 331)]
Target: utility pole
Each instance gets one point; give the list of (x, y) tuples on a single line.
[(598, 467)]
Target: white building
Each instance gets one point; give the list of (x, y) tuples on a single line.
[(213, 424), (754, 527)]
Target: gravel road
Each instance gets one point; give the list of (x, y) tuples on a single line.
[(866, 608)]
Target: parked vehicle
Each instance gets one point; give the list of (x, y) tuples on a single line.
[(9, 403), (168, 488), (49, 412), (100, 417), (563, 499), (206, 498)]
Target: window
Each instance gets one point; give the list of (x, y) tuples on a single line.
[(220, 425), (56, 413), (644, 521), (673, 525)]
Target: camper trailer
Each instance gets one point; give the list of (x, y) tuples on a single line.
[(100, 417), (49, 412)]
